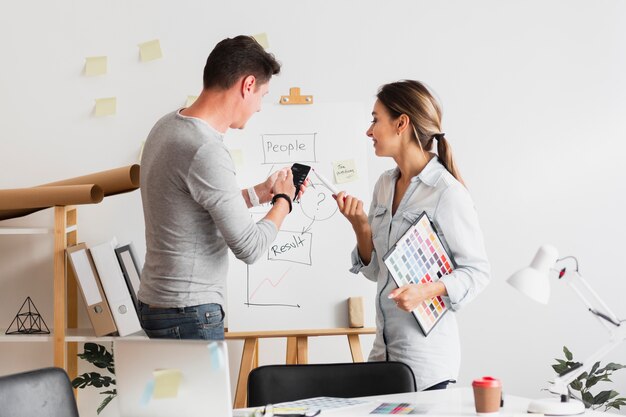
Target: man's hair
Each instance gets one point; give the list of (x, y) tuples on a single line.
[(238, 57)]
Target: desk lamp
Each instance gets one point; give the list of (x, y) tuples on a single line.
[(533, 282)]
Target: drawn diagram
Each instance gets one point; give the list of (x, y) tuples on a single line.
[(303, 278)]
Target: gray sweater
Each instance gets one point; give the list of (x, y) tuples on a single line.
[(193, 212)]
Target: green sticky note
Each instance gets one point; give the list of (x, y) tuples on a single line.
[(95, 65), (106, 106), (237, 155), (151, 50), (261, 38), (190, 100), (345, 171), (166, 383)]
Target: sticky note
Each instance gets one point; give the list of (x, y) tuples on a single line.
[(190, 100), (166, 383), (261, 38), (106, 106), (345, 171), (143, 143), (151, 50), (147, 393), (95, 65), (217, 360), (237, 155)]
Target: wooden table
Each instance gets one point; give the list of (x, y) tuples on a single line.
[(297, 350)]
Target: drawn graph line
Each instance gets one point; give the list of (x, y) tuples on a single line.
[(270, 282), (249, 297)]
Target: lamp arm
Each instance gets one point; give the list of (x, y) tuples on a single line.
[(605, 319)]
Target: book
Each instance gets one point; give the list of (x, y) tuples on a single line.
[(115, 288), (87, 278)]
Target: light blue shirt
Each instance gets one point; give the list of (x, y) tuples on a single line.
[(447, 203)]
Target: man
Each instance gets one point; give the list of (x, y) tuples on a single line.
[(194, 210)]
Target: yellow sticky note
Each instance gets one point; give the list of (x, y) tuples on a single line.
[(166, 383), (151, 50), (143, 143), (95, 65), (345, 171), (237, 155), (191, 100), (261, 38), (106, 106)]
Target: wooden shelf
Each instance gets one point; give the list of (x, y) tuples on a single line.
[(87, 335), (24, 230), (25, 338), (71, 335)]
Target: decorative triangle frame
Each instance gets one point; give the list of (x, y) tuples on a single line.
[(28, 320)]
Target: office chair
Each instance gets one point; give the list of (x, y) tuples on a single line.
[(279, 383), (44, 392)]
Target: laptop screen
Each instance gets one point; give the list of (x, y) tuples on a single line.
[(159, 377)]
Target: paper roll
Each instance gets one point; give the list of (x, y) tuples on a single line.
[(41, 197), (111, 182), (114, 181)]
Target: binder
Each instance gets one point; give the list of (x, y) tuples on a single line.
[(115, 288), (87, 277), (131, 268)]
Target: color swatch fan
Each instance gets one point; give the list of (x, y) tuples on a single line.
[(419, 257)]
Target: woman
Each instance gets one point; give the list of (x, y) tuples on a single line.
[(406, 123)]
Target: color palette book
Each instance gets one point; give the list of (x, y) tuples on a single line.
[(397, 408), (419, 257)]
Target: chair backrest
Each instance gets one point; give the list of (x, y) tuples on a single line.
[(44, 392), (279, 383)]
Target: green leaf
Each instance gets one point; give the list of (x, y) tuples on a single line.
[(111, 392), (568, 354), (594, 368), (591, 381), (97, 355), (614, 367), (587, 399), (576, 385), (92, 379), (604, 396), (104, 403)]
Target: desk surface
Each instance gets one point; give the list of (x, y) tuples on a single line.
[(450, 402)]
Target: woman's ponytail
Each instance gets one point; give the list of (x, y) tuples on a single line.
[(444, 151)]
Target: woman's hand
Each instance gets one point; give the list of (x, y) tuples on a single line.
[(409, 296), (352, 209)]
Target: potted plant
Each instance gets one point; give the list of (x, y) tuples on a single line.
[(607, 399), (101, 358)]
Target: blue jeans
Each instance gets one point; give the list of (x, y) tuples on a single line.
[(205, 321)]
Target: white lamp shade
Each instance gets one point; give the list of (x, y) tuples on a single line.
[(533, 280)]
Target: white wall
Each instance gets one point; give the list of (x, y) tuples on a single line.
[(534, 95)]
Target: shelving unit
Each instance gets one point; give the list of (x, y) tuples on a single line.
[(65, 291)]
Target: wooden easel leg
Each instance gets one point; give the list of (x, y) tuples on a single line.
[(355, 347), (292, 352), (250, 347), (303, 349)]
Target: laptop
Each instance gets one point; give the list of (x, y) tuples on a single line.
[(164, 378)]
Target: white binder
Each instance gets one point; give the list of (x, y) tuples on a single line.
[(114, 285)]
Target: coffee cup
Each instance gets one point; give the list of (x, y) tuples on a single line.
[(487, 395)]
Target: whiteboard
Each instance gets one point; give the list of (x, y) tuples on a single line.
[(303, 281)]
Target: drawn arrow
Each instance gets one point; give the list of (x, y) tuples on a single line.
[(304, 230)]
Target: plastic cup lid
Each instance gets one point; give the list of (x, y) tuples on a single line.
[(486, 382)]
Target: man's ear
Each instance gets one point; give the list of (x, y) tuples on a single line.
[(248, 85)]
